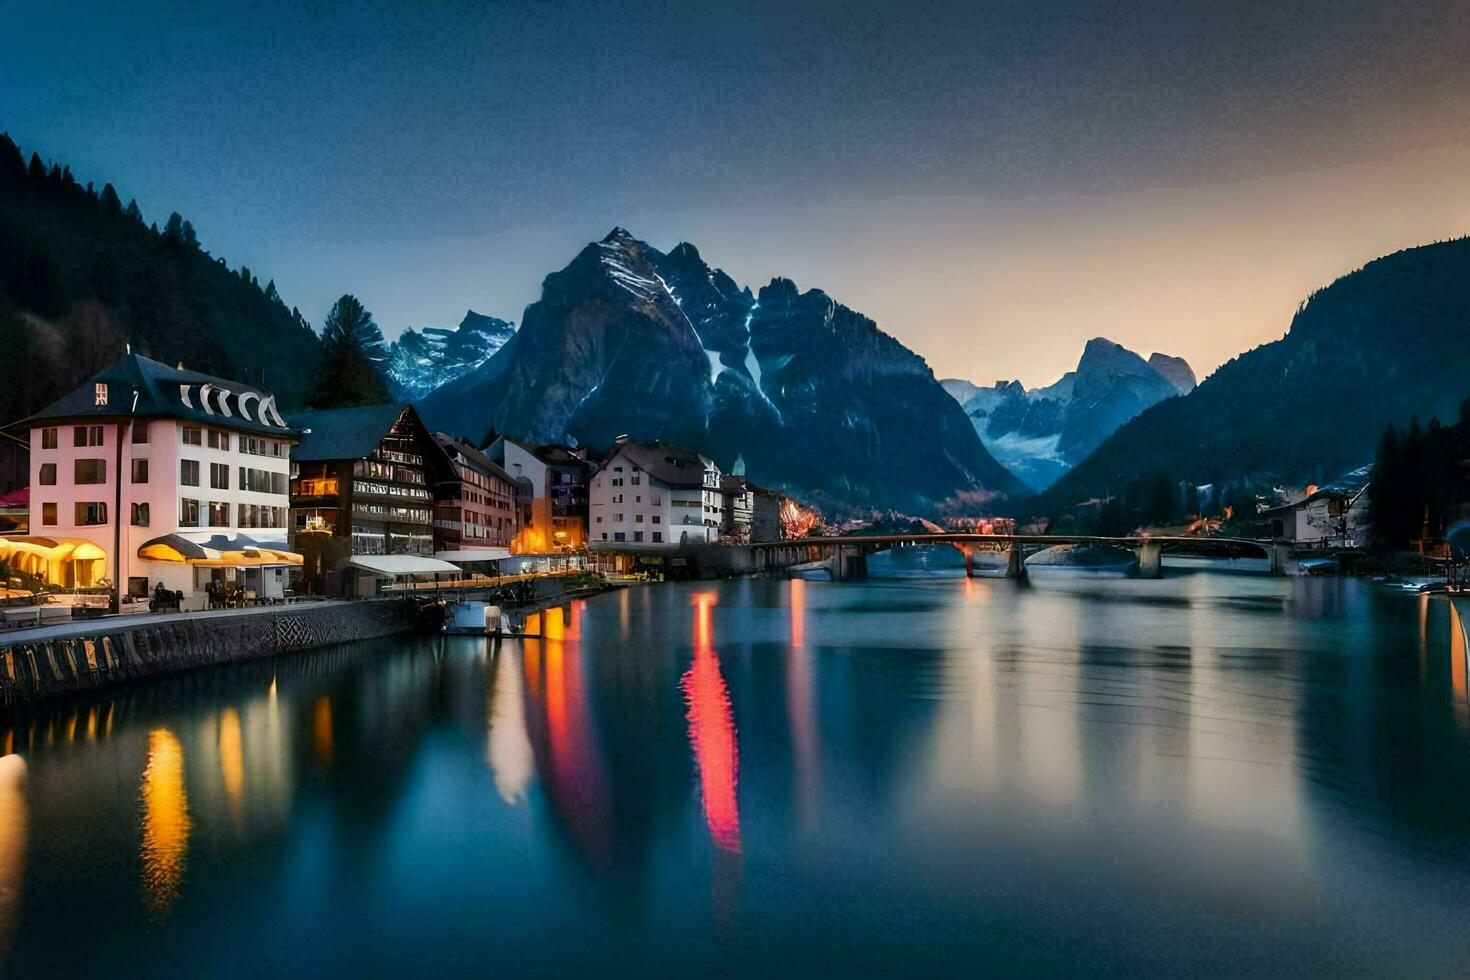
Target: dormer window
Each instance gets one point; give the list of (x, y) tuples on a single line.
[(100, 391)]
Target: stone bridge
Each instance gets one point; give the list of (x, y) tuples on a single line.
[(847, 556)]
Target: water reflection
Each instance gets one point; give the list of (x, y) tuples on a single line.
[(14, 834), (1194, 775), (165, 824), (507, 745), (712, 731)]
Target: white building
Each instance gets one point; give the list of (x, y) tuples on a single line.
[(149, 474), (1334, 515), (650, 496)]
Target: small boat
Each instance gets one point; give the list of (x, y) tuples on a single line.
[(1317, 566), (470, 617)]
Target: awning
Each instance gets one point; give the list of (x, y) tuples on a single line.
[(391, 566), (243, 553), (474, 554), (172, 547)]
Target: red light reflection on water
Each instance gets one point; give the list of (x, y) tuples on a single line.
[(712, 731)]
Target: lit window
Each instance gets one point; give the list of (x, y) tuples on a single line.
[(99, 394), (48, 514)]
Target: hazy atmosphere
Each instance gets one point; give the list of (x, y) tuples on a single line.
[(992, 184)]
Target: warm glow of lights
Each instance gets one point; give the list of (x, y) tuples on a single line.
[(712, 731), (1458, 667), (508, 745), (798, 612), (321, 729), (14, 840), (797, 521), (166, 824), (232, 760)]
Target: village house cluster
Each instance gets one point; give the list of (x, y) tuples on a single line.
[(157, 484)]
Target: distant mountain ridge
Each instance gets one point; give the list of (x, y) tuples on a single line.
[(1040, 434), (810, 395), (1378, 345), (421, 360)]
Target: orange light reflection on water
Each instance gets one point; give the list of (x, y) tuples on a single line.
[(165, 824)]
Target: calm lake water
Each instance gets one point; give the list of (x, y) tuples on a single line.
[(920, 774)]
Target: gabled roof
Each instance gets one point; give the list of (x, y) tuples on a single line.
[(1349, 487), (165, 392), (344, 433), (674, 465), (454, 444)]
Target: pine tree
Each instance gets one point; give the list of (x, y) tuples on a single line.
[(174, 229), (352, 354), (110, 202), (37, 170), (11, 162), (190, 239), (135, 212)]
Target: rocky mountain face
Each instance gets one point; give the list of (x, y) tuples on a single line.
[(811, 395), (420, 361), (1041, 434), (1377, 346)]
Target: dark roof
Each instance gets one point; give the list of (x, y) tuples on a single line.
[(1348, 487), (454, 444), (166, 392), (556, 454), (344, 433), (674, 465), (731, 483)]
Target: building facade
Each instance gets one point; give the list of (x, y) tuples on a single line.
[(149, 475), (552, 500), (475, 509), (654, 497), (361, 483)]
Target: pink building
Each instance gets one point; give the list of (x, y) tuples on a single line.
[(149, 475)]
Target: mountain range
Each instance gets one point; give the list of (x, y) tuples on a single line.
[(1379, 345), (421, 360), (805, 394), (1042, 433)]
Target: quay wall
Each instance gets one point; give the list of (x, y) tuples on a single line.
[(93, 656)]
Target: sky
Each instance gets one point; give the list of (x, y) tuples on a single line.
[(994, 183)]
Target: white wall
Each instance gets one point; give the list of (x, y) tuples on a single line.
[(649, 507)]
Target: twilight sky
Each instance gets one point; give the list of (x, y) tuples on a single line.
[(992, 182)]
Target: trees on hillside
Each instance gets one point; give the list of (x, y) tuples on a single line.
[(1418, 485), (353, 350)]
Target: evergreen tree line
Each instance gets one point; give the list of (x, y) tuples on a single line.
[(1419, 481), (83, 276)]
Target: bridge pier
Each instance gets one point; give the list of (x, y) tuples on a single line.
[(1150, 559), (1015, 562)]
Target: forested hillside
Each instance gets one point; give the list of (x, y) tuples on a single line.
[(1378, 346), (82, 275)]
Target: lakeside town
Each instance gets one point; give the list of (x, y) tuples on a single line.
[(159, 488)]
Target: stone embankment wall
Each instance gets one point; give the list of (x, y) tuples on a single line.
[(112, 652)]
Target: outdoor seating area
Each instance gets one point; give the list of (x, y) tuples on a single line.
[(231, 594)]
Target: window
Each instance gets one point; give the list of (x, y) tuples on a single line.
[(604, 535), (48, 475), (657, 519), (99, 394), (636, 480), (219, 476), (599, 518), (140, 433), (86, 435), (89, 471), (638, 499), (188, 512), (617, 518), (637, 536), (658, 537), (219, 514), (219, 440), (48, 438), (48, 514), (619, 536), (140, 515), (140, 471), (193, 435), (91, 513), (637, 518), (189, 472)]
